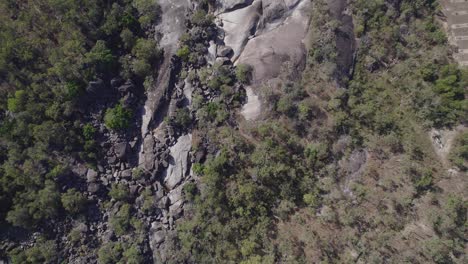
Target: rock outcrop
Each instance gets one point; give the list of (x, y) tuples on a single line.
[(172, 26), (256, 33), (178, 162)]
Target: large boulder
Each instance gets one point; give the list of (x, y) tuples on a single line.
[(268, 51), (121, 149), (178, 162), (239, 25), (91, 176), (224, 51)]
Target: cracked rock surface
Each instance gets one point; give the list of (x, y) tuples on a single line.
[(256, 33)]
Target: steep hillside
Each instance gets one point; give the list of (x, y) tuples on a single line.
[(233, 131)]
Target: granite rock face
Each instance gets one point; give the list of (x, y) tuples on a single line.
[(172, 26), (257, 33), (178, 162)]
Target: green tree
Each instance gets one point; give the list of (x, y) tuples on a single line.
[(89, 131), (243, 73), (119, 192), (101, 57), (141, 68), (18, 102), (128, 38), (183, 52), (73, 201), (132, 255), (110, 253), (120, 222), (146, 49), (118, 118)]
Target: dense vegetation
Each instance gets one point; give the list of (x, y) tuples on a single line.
[(339, 170), (56, 57), (282, 195)]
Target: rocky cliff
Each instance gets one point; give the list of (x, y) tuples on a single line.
[(268, 131)]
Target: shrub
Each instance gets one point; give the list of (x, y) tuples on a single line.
[(183, 52), (197, 168), (201, 18), (35, 206), (73, 90), (119, 192), (148, 201), (459, 154), (243, 73), (149, 11), (311, 199), (89, 131), (141, 68), (120, 222), (286, 106), (128, 38), (118, 117), (18, 102), (44, 251), (138, 173), (424, 182), (190, 190), (132, 255), (182, 118), (101, 57), (73, 201), (146, 49), (110, 253)]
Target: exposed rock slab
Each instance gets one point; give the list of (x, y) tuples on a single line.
[(270, 36), (239, 25), (172, 26), (251, 110), (179, 162), (278, 44)]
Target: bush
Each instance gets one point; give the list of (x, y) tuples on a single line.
[(119, 192), (146, 49), (101, 57), (110, 253), (201, 18), (35, 206), (182, 118), (141, 68), (459, 153), (149, 11), (311, 199), (138, 173), (183, 52), (120, 222), (44, 251), (18, 102), (190, 190), (89, 131), (73, 201), (132, 255), (148, 201), (424, 182), (243, 73), (128, 38), (197, 168), (118, 117), (286, 106)]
